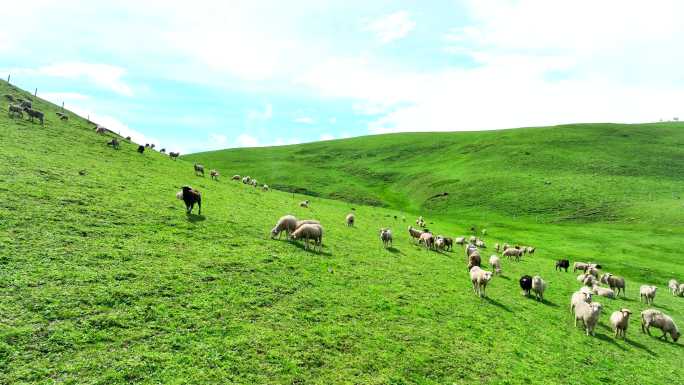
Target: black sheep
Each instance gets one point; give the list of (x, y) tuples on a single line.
[(526, 284), (562, 264), (141, 148), (190, 197)]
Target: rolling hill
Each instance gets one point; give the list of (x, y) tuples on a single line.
[(105, 280), (575, 173)]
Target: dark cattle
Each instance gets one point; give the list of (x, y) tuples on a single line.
[(526, 284), (562, 264), (199, 169), (114, 143), (34, 114), (14, 111), (174, 155), (141, 148)]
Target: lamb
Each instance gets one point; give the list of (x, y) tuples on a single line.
[(579, 297), (15, 110), (538, 287), (199, 169), (386, 237), (414, 233), (526, 284), (582, 266), (614, 282), (304, 204), (587, 279), (562, 264), (603, 291), (213, 174), (287, 223), (34, 114), (350, 220), (592, 270), (619, 321), (589, 314), (673, 286), (174, 155), (264, 187), (236, 177), (141, 148), (460, 240), (114, 143), (647, 293), (190, 197), (657, 319), (310, 232), (427, 239), (479, 279), (495, 263)]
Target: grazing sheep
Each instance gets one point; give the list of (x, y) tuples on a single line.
[(152, 146), (199, 169), (246, 180), (460, 240), (26, 104), (647, 293), (530, 250), (538, 287), (287, 223), (15, 111), (479, 279), (506, 246), (579, 297), (673, 286), (349, 220), (100, 130), (439, 242), (254, 183), (427, 239), (114, 143), (264, 187), (213, 174), (583, 266), (141, 148), (495, 263), (526, 284), (386, 237), (592, 271), (64, 117), (587, 279), (414, 233), (512, 252), (34, 114), (603, 291), (190, 197), (619, 321), (128, 138), (448, 243), (589, 314), (614, 282), (304, 204), (480, 244), (174, 155), (472, 239), (308, 232), (659, 320), (236, 177), (306, 222), (562, 264), (162, 151)]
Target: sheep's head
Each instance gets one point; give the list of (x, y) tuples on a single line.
[(487, 275), (596, 306), (675, 335), (625, 312)]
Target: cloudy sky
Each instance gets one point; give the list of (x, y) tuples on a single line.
[(200, 75)]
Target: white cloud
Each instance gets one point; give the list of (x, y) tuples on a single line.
[(327, 137), (304, 120), (391, 27), (266, 114), (246, 140)]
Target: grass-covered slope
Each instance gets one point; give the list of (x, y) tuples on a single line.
[(585, 173), (105, 280)]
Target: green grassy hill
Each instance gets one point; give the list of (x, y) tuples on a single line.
[(105, 280), (580, 173)]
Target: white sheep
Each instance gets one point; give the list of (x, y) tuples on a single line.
[(440, 243), (460, 240), (657, 319), (579, 297), (495, 263), (287, 223), (386, 237), (614, 282), (306, 222), (647, 293), (589, 314), (619, 321), (538, 287), (264, 187), (673, 286), (603, 291), (310, 232), (480, 244), (304, 204), (350, 220), (480, 278)]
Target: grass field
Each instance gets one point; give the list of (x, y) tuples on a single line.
[(105, 280)]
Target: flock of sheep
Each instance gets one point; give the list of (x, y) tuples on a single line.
[(19, 106)]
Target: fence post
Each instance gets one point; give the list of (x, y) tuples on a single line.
[(35, 93), (8, 77)]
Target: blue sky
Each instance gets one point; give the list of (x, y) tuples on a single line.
[(203, 75)]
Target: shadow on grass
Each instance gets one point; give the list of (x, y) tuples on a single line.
[(504, 277), (626, 299), (640, 346), (393, 250), (497, 304), (194, 218), (607, 338), (310, 249)]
